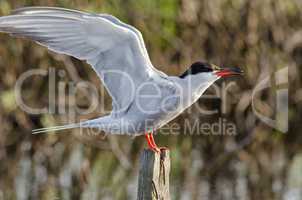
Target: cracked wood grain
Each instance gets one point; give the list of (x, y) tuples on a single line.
[(153, 180)]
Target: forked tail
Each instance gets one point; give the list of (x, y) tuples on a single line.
[(84, 124), (56, 128)]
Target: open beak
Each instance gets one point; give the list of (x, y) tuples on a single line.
[(227, 72)]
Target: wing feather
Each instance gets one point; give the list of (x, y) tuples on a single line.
[(115, 50)]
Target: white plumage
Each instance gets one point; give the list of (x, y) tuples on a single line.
[(117, 53)]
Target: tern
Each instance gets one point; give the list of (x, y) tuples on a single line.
[(143, 98)]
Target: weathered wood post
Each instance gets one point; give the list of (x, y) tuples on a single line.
[(153, 180)]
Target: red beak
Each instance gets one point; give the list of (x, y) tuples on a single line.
[(227, 72)]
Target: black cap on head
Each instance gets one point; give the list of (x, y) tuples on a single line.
[(196, 68)]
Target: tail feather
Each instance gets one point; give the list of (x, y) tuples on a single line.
[(84, 124), (56, 128)]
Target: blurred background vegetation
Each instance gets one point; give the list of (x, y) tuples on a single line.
[(256, 163)]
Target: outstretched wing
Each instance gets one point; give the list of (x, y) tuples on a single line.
[(115, 50)]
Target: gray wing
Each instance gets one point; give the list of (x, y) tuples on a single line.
[(116, 51), (116, 21)]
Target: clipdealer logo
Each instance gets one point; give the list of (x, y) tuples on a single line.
[(278, 83)]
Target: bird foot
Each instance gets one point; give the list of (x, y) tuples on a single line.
[(152, 145), (163, 149)]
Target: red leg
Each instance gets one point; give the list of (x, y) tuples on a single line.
[(155, 145), (151, 143), (152, 140)]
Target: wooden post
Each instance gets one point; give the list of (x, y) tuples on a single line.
[(153, 180)]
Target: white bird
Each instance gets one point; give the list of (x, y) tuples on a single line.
[(144, 98)]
